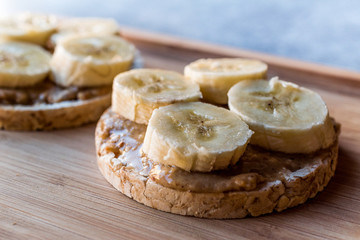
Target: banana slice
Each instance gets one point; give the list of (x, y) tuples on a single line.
[(284, 116), (195, 137), (138, 92), (96, 26), (22, 64), (88, 60), (33, 28), (217, 76)]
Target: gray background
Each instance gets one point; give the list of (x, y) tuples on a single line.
[(323, 31)]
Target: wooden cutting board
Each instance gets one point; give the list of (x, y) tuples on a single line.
[(50, 187)]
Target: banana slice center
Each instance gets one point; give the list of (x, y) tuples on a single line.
[(227, 66), (98, 50), (221, 67), (274, 102), (153, 84), (195, 126), (18, 57), (28, 23), (8, 60)]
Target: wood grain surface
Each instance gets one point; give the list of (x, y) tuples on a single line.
[(50, 186)]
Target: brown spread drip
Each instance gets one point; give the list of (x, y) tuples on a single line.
[(124, 138), (256, 167), (49, 93)]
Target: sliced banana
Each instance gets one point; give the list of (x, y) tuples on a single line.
[(284, 116), (88, 60), (33, 28), (195, 137), (138, 92), (96, 26), (217, 76), (22, 64)]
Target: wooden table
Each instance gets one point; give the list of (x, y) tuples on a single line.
[(50, 186)]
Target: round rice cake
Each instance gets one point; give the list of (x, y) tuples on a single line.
[(260, 183)]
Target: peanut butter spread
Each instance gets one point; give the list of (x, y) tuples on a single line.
[(255, 169), (49, 93)]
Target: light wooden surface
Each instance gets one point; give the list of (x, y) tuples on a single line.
[(50, 187)]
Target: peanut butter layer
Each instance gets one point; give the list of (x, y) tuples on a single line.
[(48, 92), (255, 169)]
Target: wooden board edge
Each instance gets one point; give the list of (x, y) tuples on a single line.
[(275, 61)]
